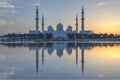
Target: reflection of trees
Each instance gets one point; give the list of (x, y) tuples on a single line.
[(49, 35), (59, 47), (85, 46)]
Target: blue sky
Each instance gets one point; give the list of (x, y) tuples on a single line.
[(19, 15)]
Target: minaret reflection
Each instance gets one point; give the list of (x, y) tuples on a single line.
[(84, 47), (76, 46), (37, 57), (82, 59), (43, 55), (37, 60)]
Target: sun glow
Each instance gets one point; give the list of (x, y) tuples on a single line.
[(113, 52)]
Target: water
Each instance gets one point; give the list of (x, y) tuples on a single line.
[(60, 61)]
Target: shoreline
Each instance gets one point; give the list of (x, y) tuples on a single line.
[(32, 42)]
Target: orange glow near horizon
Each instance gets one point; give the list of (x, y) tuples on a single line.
[(113, 52)]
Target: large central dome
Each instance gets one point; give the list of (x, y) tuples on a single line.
[(59, 27)]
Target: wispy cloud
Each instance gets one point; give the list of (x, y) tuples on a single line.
[(7, 11), (34, 4), (11, 23), (101, 4), (6, 7), (3, 22), (5, 4)]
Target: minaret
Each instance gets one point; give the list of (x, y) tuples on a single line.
[(77, 23), (42, 23), (82, 19), (37, 19)]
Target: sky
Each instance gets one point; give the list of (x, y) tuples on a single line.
[(101, 16)]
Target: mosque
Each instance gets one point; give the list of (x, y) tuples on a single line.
[(59, 32)]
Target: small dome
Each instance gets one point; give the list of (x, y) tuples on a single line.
[(50, 28), (69, 29), (59, 27)]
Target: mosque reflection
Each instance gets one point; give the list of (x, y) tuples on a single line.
[(60, 47)]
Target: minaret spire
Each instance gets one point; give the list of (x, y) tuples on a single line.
[(42, 23), (77, 23), (37, 19), (82, 19)]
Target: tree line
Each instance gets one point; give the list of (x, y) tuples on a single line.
[(14, 36)]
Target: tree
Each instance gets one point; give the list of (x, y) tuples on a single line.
[(49, 35), (41, 35), (70, 35)]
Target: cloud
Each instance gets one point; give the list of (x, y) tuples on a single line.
[(11, 23), (101, 4), (7, 11), (19, 6), (5, 4), (34, 4), (6, 7), (3, 22)]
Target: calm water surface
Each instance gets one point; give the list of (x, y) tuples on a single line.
[(60, 61)]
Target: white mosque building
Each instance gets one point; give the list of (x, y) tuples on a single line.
[(59, 32)]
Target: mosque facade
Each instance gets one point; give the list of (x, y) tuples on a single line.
[(60, 32)]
